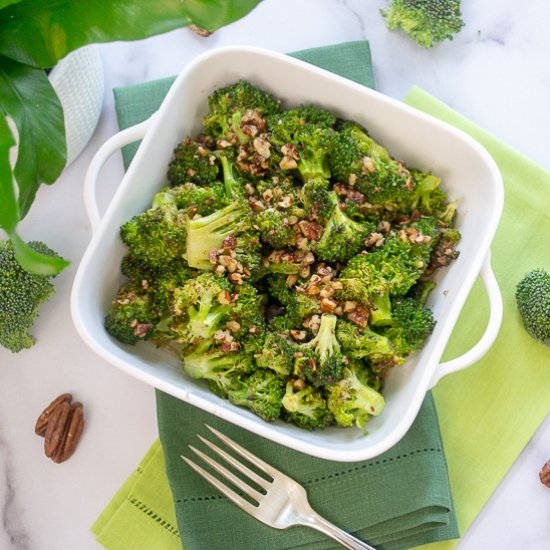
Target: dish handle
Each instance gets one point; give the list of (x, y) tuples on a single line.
[(111, 146), (491, 331)]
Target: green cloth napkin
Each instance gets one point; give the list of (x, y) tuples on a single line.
[(398, 500)]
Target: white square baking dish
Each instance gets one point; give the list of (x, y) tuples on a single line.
[(468, 173)]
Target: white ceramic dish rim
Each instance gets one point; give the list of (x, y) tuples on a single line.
[(480, 264)]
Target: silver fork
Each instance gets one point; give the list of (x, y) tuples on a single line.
[(284, 502)]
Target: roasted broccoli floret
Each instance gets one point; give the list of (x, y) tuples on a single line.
[(315, 195), (425, 21), (194, 162), (342, 238), (158, 235), (229, 228), (262, 392), (132, 316), (411, 324), (194, 199), (223, 371), (359, 160), (274, 228), (390, 270), (301, 140), (305, 406), (533, 302), (21, 295), (320, 361), (234, 108), (204, 304), (352, 400), (277, 354), (363, 343), (427, 195)]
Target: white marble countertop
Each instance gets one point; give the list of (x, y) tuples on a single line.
[(495, 72)]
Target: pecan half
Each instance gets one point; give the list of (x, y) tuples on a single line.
[(544, 474), (61, 424)]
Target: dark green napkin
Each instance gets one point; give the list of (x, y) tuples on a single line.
[(400, 499)]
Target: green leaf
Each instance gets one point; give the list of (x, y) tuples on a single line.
[(41, 33), (9, 211), (28, 97), (4, 3), (34, 261)]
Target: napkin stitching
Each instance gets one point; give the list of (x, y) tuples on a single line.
[(326, 477), (142, 507)]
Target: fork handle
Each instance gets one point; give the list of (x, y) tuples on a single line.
[(315, 521)]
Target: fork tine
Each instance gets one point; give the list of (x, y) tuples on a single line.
[(223, 471), (264, 466), (262, 482), (224, 489)]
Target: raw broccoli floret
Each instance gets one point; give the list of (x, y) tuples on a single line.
[(305, 406), (194, 162), (363, 343), (358, 160), (342, 238), (132, 316), (301, 139), (320, 361), (158, 235), (411, 324), (262, 392), (425, 21), (21, 295), (204, 304), (533, 301), (352, 400), (277, 354), (206, 235)]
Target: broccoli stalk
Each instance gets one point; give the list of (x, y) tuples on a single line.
[(321, 361), (425, 21), (342, 237), (533, 302), (22, 293), (352, 401)]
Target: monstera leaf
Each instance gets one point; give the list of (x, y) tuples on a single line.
[(34, 36)]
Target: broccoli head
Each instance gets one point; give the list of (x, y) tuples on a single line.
[(305, 406), (425, 21), (301, 140), (342, 237), (194, 199), (274, 229), (411, 324), (157, 236), (363, 343), (224, 371), (132, 316), (315, 196), (227, 229), (204, 304), (533, 302), (352, 400), (261, 392), (320, 360), (277, 354), (22, 293), (193, 162), (358, 160)]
